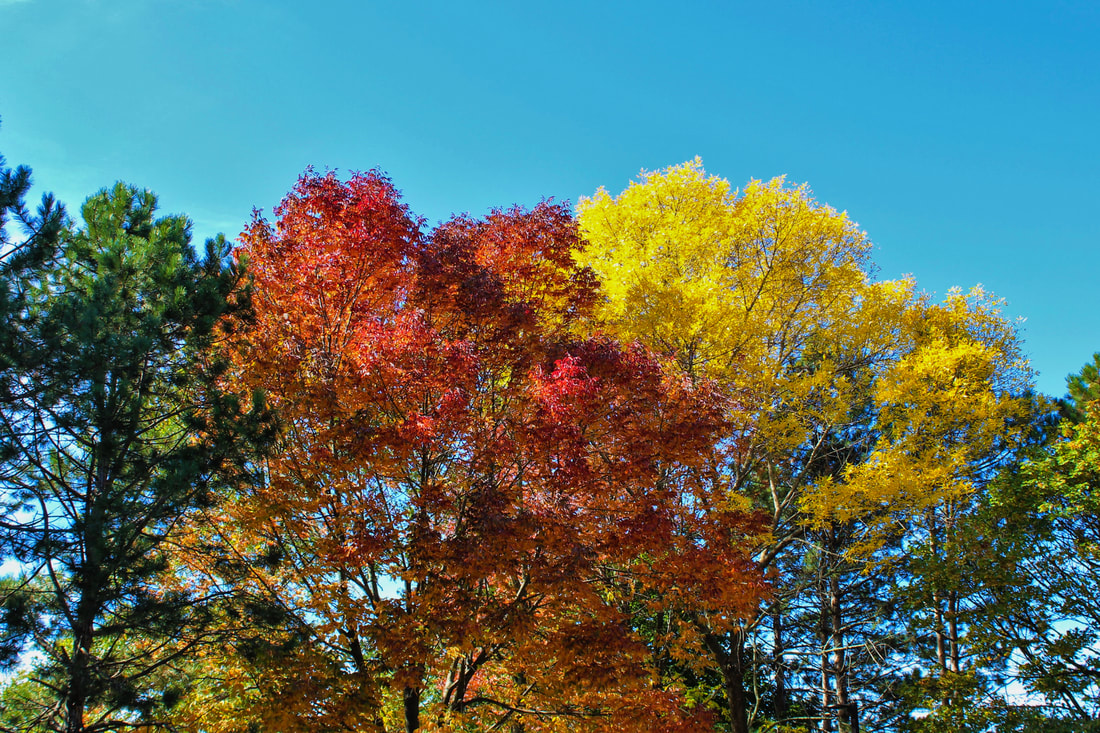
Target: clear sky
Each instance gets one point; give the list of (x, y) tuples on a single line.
[(962, 136)]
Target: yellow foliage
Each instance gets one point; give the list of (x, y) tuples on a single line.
[(949, 408), (767, 292), (727, 282)]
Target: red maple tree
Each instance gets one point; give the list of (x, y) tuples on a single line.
[(469, 483)]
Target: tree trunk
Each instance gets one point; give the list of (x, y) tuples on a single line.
[(91, 575), (781, 705), (953, 631), (937, 598), (826, 696), (411, 697), (80, 663), (734, 678), (731, 662), (824, 636), (847, 714), (77, 694), (941, 637)]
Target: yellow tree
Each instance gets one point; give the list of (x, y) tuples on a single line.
[(767, 292), (952, 410)]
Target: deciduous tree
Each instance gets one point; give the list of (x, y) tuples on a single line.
[(1036, 551), (827, 376), (463, 477)]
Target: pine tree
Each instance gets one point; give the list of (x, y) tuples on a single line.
[(1082, 388), (112, 428), (34, 242)]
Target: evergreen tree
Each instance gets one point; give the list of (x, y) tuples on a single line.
[(111, 430), (33, 241), (1049, 532), (40, 229), (1082, 388)]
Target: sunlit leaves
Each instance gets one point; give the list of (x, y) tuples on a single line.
[(461, 463), (852, 407), (951, 408)]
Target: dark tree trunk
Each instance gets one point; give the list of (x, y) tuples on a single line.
[(734, 678), (81, 661), (92, 575), (731, 662), (779, 664), (844, 706), (411, 697), (77, 696)]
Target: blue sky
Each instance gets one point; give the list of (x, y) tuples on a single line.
[(962, 136)]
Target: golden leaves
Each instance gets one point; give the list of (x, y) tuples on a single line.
[(847, 400)]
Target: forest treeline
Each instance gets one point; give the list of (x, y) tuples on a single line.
[(675, 461)]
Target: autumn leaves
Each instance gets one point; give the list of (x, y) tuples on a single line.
[(532, 472), (467, 472)]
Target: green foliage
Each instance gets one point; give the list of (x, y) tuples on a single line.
[(1082, 388), (1029, 565), (38, 230), (33, 243), (966, 703), (111, 429)]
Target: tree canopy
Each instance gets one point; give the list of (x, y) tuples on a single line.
[(675, 462)]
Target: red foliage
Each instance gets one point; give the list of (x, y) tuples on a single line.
[(464, 477)]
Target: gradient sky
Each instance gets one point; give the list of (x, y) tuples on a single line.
[(962, 136)]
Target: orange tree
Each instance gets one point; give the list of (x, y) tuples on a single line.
[(466, 483)]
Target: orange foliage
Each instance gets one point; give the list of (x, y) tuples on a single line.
[(466, 482)]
